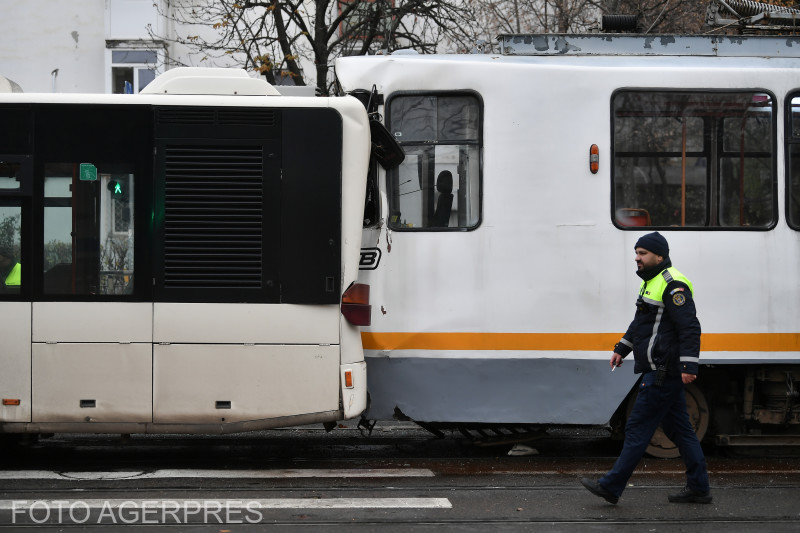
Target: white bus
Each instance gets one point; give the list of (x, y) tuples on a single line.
[(181, 260), (500, 252)]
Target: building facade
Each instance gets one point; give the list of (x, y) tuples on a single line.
[(82, 46)]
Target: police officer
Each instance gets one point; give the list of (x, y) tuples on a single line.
[(665, 340)]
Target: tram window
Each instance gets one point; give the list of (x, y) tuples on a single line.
[(692, 159), (10, 262), (88, 230), (438, 184), (793, 168)]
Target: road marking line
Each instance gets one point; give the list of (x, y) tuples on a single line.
[(222, 474), (223, 503)]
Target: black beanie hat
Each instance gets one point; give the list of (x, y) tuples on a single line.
[(654, 242)]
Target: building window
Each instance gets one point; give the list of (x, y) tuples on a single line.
[(438, 184), (692, 159), (132, 70), (285, 77)]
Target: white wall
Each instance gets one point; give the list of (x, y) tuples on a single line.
[(128, 19), (41, 35)]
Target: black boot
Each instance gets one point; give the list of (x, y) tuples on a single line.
[(598, 490)]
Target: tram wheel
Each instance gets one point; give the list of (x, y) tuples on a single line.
[(660, 446)]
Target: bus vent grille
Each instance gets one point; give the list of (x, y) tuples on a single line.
[(189, 115), (243, 117), (234, 116), (213, 216)]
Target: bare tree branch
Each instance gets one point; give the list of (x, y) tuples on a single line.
[(278, 36)]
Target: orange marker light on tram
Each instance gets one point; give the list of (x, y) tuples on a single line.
[(594, 159), (10, 401)]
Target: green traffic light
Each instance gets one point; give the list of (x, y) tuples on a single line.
[(117, 188)]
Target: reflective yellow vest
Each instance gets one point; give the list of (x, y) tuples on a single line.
[(652, 291), (13, 278)]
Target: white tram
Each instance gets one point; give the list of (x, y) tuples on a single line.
[(500, 251), (181, 260)]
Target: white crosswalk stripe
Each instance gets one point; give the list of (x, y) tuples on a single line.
[(136, 510), (224, 503), (221, 474)]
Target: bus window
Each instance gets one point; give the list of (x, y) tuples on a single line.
[(438, 183), (10, 177), (88, 230), (15, 133), (694, 159), (793, 168), (10, 267), (89, 168)]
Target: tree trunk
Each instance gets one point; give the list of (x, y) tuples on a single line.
[(283, 40)]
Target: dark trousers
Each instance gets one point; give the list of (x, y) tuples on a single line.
[(665, 405)]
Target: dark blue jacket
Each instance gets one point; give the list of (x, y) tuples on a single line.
[(665, 330)]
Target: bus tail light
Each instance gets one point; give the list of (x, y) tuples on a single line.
[(355, 305)]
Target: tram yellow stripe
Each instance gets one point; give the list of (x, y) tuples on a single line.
[(710, 342)]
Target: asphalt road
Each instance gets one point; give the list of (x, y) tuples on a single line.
[(398, 479)]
